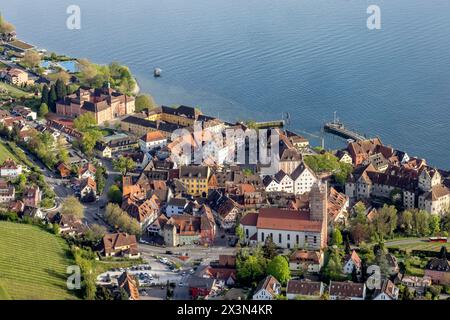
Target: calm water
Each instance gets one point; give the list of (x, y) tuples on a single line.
[(254, 59)]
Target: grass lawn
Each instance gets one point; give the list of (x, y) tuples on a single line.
[(5, 153), (15, 92), (420, 245), (33, 264)]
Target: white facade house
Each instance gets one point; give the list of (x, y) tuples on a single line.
[(152, 140), (267, 289), (176, 206), (271, 185), (352, 261), (387, 292), (303, 178), (10, 169), (347, 290)]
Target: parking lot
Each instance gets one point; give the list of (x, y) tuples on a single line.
[(153, 273)]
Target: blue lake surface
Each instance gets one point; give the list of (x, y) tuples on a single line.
[(255, 59)]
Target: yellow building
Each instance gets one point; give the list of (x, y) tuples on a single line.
[(195, 179), (183, 115)]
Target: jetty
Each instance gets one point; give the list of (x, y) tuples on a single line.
[(337, 128), (270, 124)]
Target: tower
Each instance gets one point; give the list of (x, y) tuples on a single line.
[(318, 209)]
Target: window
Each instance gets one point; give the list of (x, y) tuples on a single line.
[(315, 239), (262, 236), (289, 237), (279, 237), (297, 239), (246, 233), (306, 238)]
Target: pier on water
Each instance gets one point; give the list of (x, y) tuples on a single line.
[(337, 128)]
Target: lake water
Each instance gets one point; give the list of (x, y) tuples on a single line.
[(255, 59)]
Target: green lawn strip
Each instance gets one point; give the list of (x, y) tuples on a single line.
[(14, 91), (3, 294), (33, 263), (5, 153)]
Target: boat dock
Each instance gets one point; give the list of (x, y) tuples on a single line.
[(270, 124), (339, 129)]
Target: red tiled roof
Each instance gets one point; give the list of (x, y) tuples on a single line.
[(290, 220)]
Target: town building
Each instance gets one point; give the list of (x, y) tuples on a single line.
[(352, 261), (225, 209), (305, 228), (438, 270), (152, 140), (139, 126), (304, 289), (388, 291), (200, 287), (7, 191), (196, 179), (15, 76), (9, 168), (303, 260), (120, 245), (32, 197), (129, 284), (88, 190), (347, 290), (268, 289), (104, 104), (176, 206)]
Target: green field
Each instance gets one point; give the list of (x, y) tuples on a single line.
[(33, 264), (419, 245), (13, 91), (5, 153)]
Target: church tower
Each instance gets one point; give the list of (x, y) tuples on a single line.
[(318, 209)]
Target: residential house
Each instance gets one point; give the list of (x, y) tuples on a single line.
[(15, 76), (25, 112), (130, 284), (418, 284), (87, 171), (10, 168), (267, 289), (120, 244), (157, 226), (196, 179), (119, 143), (176, 206), (347, 290), (224, 208), (185, 230), (352, 261), (208, 227), (7, 191), (152, 140), (64, 171), (438, 269), (304, 179), (303, 260), (144, 210), (344, 156), (200, 287), (435, 201), (102, 150), (338, 204), (68, 224), (304, 289), (388, 291), (32, 197), (88, 190)]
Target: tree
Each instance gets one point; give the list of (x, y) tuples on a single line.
[(279, 268), (45, 94), (6, 27), (100, 179), (434, 224), (71, 206), (64, 77), (405, 223), (114, 194), (421, 226), (85, 122), (123, 294), (124, 165), (333, 267), (385, 222), (143, 102), (239, 232), (43, 110), (269, 248), (60, 89), (250, 268), (31, 59), (336, 237), (52, 98), (95, 233), (117, 217), (347, 245)]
